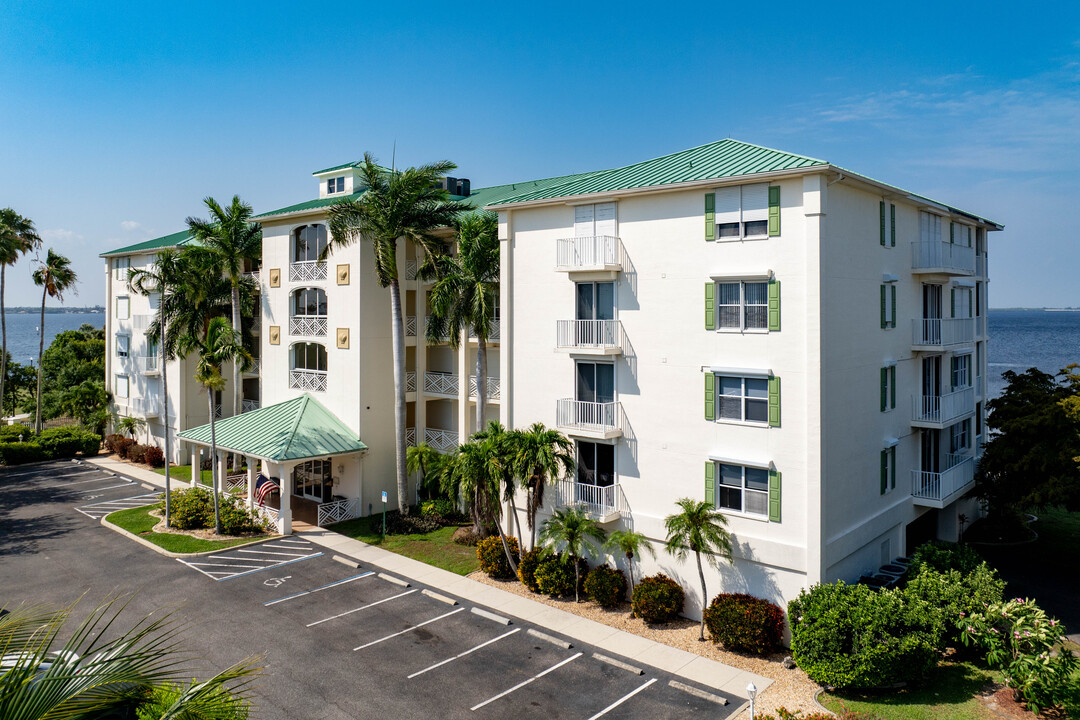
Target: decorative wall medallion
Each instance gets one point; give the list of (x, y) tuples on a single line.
[(275, 277), (343, 274), (275, 334), (343, 338)]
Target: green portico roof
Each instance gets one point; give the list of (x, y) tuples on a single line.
[(296, 429), (175, 240)]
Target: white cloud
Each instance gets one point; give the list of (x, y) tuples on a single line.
[(60, 235), (130, 225)]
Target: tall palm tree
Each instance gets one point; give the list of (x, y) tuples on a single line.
[(571, 529), (541, 454), (467, 293), (425, 461), (221, 345), (472, 474), (230, 237), (165, 277), (98, 670), (630, 544), (698, 528), (506, 444), (17, 237), (55, 277), (396, 206)]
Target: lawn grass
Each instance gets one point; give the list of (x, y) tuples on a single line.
[(183, 473), (949, 694), (434, 548), (139, 521)]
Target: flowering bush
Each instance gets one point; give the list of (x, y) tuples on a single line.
[(1019, 639), (952, 594), (745, 623)]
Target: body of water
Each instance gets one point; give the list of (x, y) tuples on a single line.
[(22, 331), (1022, 339)]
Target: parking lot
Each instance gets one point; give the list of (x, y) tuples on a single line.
[(338, 641)]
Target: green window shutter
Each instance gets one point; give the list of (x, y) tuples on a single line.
[(884, 471), (710, 482), (774, 401), (883, 318), (710, 216), (774, 210), (892, 387), (774, 496), (952, 232), (710, 306), (971, 302), (892, 291), (884, 389), (952, 302), (774, 305), (892, 468), (892, 224), (710, 396), (881, 217)]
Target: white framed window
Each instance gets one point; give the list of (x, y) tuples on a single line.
[(151, 347), (309, 242), (888, 470), (961, 371), (121, 266), (309, 356), (742, 489), (742, 399), (123, 346), (961, 234), (123, 307), (742, 212), (929, 227), (121, 387), (335, 185), (742, 305), (962, 302), (960, 437), (597, 220)]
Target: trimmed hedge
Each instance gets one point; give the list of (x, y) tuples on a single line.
[(193, 509), (658, 599), (527, 569), (745, 623), (605, 585), (64, 442), (492, 557)]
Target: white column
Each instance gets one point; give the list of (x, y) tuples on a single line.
[(253, 469), (222, 462), (285, 513), (196, 464), (464, 430)]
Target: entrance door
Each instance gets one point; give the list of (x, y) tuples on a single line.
[(310, 480), (931, 451), (931, 387)]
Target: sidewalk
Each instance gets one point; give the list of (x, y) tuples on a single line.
[(634, 647)]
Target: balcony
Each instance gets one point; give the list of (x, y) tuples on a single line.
[(410, 437), (256, 367), (249, 405), (441, 440), (938, 489), (148, 407), (307, 270), (410, 381), (308, 325), (410, 326), (410, 269), (603, 502), (255, 275), (939, 411), (493, 387), (141, 323), (980, 266), (147, 363), (314, 380), (496, 332), (941, 333), (441, 383), (942, 257), (601, 253), (590, 337), (601, 421)]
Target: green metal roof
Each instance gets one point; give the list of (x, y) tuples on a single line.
[(481, 197), (309, 205), (175, 240), (296, 429), (337, 167)]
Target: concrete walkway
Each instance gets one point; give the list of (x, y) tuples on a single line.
[(634, 647)]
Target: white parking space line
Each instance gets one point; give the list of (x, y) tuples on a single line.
[(621, 700), (414, 627), (268, 552), (520, 685), (202, 564), (363, 607), (96, 511), (76, 482), (93, 490), (319, 589), (463, 654), (290, 546), (244, 564)]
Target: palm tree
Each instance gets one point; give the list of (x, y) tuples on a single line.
[(425, 461), (230, 237), (90, 676), (698, 528), (397, 206), (165, 278), (472, 474), (221, 345), (571, 528), (17, 237), (506, 444), (629, 543), (466, 295), (541, 454), (130, 425), (55, 277)]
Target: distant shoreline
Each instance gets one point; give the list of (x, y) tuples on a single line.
[(1035, 309), (96, 310)]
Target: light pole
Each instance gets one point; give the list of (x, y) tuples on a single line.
[(751, 692)]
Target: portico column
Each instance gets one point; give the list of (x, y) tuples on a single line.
[(285, 513), (222, 461), (196, 464), (253, 469)]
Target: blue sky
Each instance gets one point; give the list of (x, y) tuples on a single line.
[(118, 118)]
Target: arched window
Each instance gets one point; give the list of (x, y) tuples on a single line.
[(309, 302), (308, 367), (309, 242)]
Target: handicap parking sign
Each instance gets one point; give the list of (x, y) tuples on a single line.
[(384, 496)]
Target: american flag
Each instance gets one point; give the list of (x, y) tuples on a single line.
[(263, 487)]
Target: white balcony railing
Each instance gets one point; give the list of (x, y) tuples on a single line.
[(493, 388), (267, 512), (256, 367), (604, 502), (959, 473), (142, 322), (944, 256), (943, 332), (440, 383), (601, 252), (441, 440), (496, 330), (147, 363), (308, 380), (410, 269), (255, 275), (249, 405), (589, 334), (308, 325), (410, 326), (217, 412), (307, 270), (410, 381), (943, 409), (338, 510), (410, 437), (589, 416)]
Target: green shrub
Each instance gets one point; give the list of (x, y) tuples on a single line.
[(492, 557), (952, 595), (605, 586), (782, 713), (398, 524), (553, 576), (160, 701), (658, 599), (527, 568), (439, 508), (191, 508), (236, 518), (90, 444), (745, 623), (852, 636), (11, 433), (62, 442), (943, 556), (16, 453), (154, 457)]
